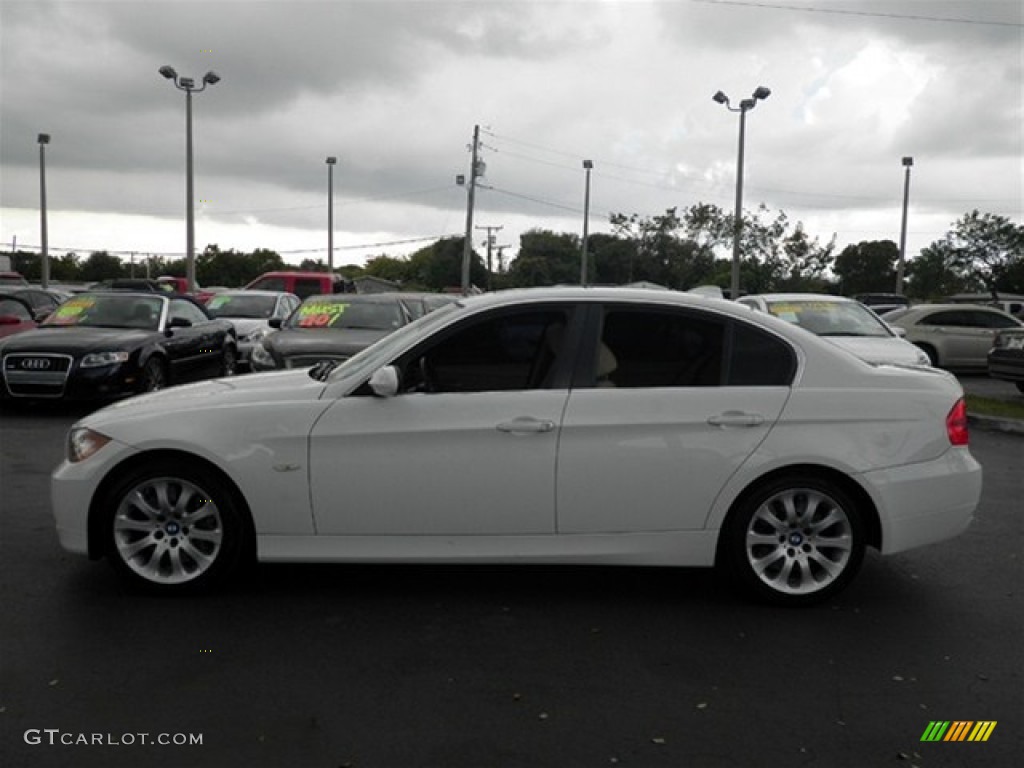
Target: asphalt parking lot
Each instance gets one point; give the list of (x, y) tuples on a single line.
[(457, 666)]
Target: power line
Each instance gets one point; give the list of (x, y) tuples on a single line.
[(171, 254), (844, 12)]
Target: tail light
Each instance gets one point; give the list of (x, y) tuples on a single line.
[(956, 423)]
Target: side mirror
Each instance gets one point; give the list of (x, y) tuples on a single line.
[(179, 322), (275, 322), (901, 332), (384, 381)]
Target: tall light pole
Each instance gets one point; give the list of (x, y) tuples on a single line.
[(187, 84), (43, 139), (330, 213), (745, 106), (907, 163), (588, 165)]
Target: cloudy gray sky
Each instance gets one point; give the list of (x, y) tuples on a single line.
[(393, 89)]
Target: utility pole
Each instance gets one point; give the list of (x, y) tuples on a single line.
[(908, 162), (467, 248), (490, 246)]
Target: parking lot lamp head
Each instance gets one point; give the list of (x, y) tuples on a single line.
[(187, 84)]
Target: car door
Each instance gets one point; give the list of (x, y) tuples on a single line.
[(668, 407), (468, 445), (193, 349)]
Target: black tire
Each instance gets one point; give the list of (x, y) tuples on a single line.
[(794, 541), (229, 361), (173, 527), (154, 376)]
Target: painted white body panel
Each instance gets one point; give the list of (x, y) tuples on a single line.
[(436, 464), (648, 460)]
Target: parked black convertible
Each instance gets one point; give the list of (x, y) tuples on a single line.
[(105, 345)]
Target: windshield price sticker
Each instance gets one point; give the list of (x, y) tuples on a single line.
[(69, 311), (218, 301), (803, 306), (322, 315)]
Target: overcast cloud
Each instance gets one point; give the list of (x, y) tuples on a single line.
[(393, 89)]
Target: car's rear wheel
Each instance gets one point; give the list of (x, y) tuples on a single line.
[(154, 376), (174, 527), (795, 540)]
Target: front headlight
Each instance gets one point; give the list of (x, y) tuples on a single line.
[(261, 356), (96, 359), (83, 443)]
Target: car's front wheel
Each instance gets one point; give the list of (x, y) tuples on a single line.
[(229, 361), (154, 376), (173, 527), (795, 540)]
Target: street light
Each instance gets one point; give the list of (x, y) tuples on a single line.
[(330, 213), (745, 106), (43, 139), (587, 166), (187, 84), (907, 163)]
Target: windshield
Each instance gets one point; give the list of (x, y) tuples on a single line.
[(242, 306), (322, 312), (108, 311), (830, 318)]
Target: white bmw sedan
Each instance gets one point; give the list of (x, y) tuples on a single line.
[(600, 426)]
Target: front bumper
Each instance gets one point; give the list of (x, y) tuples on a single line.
[(72, 488), (105, 382)]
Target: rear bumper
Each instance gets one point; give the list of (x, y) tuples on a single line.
[(925, 503), (1006, 366)]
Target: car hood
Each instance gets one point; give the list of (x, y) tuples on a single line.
[(76, 340), (246, 325), (880, 350), (251, 389), (348, 341)]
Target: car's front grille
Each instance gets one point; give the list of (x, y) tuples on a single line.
[(36, 375), (308, 361)]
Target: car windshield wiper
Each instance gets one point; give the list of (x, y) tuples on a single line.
[(322, 370)]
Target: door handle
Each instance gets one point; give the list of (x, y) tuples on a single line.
[(736, 419), (526, 424)]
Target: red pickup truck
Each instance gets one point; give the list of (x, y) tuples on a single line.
[(302, 284)]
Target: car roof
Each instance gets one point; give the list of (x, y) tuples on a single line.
[(252, 292), (956, 307)]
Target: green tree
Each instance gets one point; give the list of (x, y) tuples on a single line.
[(932, 275), (438, 266), (396, 270), (868, 266), (986, 249), (546, 258), (101, 266)]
